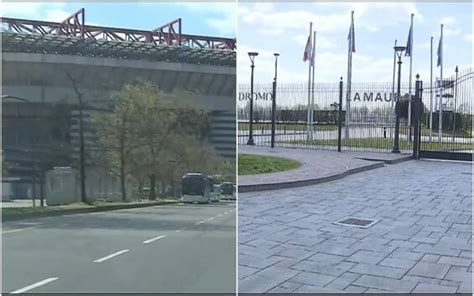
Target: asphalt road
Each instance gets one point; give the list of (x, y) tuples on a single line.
[(163, 249)]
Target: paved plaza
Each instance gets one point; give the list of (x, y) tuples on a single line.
[(421, 242)]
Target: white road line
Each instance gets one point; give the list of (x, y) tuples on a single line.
[(220, 215), (200, 222), (210, 218), (15, 230), (179, 230), (154, 239), (110, 256), (38, 284)]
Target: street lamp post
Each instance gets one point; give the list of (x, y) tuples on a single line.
[(252, 56), (396, 145), (274, 102)]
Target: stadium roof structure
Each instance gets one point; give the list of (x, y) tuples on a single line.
[(54, 44), (72, 36)]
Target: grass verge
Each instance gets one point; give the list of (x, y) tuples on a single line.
[(244, 126), (260, 164), (386, 143)]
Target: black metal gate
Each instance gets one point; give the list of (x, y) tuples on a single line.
[(443, 120)]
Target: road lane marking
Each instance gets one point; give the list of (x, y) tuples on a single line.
[(154, 239), (38, 284), (110, 256), (200, 222), (220, 215), (210, 218), (179, 230), (15, 230)]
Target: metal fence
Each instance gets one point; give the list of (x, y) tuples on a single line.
[(455, 95), (371, 116)]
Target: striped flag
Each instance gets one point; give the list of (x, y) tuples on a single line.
[(409, 42), (308, 50), (440, 51), (351, 37)]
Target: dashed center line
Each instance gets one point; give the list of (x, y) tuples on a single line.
[(200, 222), (110, 256), (15, 230), (35, 285), (210, 218), (154, 239)]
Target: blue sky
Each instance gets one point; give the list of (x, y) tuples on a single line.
[(284, 28), (198, 18)]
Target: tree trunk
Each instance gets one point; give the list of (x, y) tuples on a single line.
[(152, 187), (82, 153), (42, 189), (172, 187), (122, 176), (140, 188)]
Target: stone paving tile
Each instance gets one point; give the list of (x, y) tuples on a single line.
[(277, 274), (430, 258), (397, 262), (402, 286), (355, 289), (456, 273), (429, 288), (424, 215), (430, 269), (367, 257), (312, 266), (256, 262), (326, 259), (313, 279), (371, 269), (455, 261), (245, 271), (343, 281), (316, 289)]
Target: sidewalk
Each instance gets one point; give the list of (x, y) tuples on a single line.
[(318, 166)]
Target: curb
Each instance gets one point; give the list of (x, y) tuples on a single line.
[(21, 216), (300, 183), (388, 161)]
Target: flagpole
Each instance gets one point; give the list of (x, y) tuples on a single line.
[(312, 83), (310, 134), (349, 78), (409, 79), (431, 90), (393, 92), (440, 122)]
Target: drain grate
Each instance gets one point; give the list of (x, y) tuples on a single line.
[(356, 222)]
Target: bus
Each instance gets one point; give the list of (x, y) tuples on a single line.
[(196, 187), (228, 190)]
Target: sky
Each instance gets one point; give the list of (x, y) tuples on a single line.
[(197, 18), (284, 28)]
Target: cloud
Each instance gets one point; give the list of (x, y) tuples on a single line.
[(468, 37), (219, 16), (449, 20), (56, 15), (35, 10), (223, 26), (373, 17)]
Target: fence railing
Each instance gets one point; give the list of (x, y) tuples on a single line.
[(370, 121)]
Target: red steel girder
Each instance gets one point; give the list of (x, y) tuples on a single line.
[(74, 25)]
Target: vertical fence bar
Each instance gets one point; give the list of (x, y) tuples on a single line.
[(339, 121)]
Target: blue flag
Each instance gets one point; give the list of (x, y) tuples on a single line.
[(351, 37), (409, 42), (440, 52)]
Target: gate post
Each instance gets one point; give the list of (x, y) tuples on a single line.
[(418, 108), (339, 118)]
